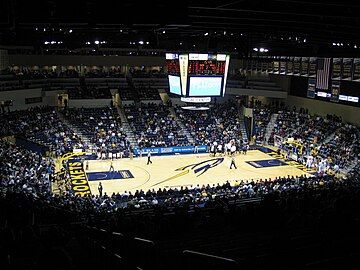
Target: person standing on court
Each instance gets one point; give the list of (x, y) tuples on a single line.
[(233, 162), (100, 189), (196, 148), (111, 167), (232, 149), (149, 158)]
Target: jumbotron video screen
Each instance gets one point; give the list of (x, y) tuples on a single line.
[(197, 74)]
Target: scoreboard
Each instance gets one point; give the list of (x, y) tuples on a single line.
[(197, 74), (172, 64)]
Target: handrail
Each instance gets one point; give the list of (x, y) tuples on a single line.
[(190, 252)]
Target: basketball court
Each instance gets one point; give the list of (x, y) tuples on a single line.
[(187, 170)]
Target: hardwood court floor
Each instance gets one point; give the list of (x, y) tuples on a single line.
[(185, 170)]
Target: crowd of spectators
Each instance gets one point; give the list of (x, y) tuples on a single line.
[(344, 147), (154, 125), (324, 200), (142, 73), (148, 92), (31, 173), (41, 125), (261, 120), (201, 196), (310, 131), (25, 171), (127, 93), (28, 73), (104, 72), (220, 123), (103, 128), (89, 92)]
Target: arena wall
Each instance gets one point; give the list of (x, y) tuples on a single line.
[(19, 98), (284, 82), (254, 92), (89, 103)]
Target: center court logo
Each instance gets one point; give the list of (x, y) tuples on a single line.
[(198, 169)]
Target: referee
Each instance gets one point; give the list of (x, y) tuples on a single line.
[(233, 162), (149, 156)]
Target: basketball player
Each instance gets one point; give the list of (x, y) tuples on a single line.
[(233, 162), (232, 150), (213, 150), (309, 161), (111, 167), (149, 156), (196, 148), (215, 147), (336, 169), (219, 149), (228, 147), (245, 148), (321, 167)]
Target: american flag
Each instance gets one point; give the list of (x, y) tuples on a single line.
[(323, 73)]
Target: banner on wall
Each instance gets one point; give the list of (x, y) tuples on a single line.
[(304, 66), (276, 66), (347, 68), (283, 61), (356, 69), (271, 66), (297, 66), (336, 69), (264, 65), (254, 64), (247, 64), (290, 66), (312, 67)]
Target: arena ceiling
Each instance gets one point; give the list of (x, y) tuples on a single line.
[(284, 27)]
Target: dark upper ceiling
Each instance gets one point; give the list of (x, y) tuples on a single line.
[(292, 27)]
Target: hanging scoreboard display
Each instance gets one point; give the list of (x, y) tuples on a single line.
[(173, 70), (172, 63), (199, 74)]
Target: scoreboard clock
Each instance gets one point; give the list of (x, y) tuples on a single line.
[(197, 74)]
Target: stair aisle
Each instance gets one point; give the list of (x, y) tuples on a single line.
[(125, 124), (182, 126)]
